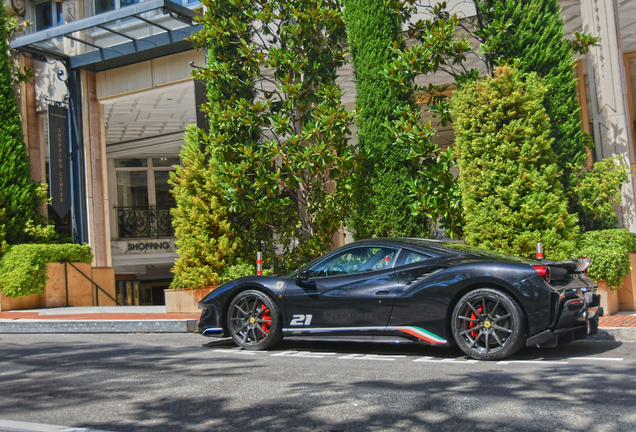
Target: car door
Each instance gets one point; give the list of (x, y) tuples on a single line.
[(351, 290)]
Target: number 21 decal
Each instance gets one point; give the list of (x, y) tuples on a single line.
[(300, 320)]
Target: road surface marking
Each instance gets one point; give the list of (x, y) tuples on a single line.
[(371, 357), (309, 354), (429, 359), (284, 353), (505, 362), (305, 354), (237, 351), (597, 358)]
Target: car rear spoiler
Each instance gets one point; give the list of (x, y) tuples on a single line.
[(561, 269)]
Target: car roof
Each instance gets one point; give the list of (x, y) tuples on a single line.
[(445, 247)]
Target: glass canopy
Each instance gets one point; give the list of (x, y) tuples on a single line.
[(116, 38)]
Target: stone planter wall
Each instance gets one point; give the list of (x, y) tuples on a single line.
[(627, 293), (609, 300), (185, 300), (81, 292)]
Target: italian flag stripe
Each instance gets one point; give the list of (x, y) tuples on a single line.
[(420, 333)]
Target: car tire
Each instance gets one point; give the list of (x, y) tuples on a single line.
[(254, 321), (488, 324)]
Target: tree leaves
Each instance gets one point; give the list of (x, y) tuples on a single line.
[(278, 131)]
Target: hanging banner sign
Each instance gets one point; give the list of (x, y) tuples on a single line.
[(59, 161)]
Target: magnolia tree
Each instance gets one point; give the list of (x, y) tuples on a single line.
[(278, 134)]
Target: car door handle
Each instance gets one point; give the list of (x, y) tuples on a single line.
[(382, 292)]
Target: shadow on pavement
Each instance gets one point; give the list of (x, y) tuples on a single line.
[(177, 389)]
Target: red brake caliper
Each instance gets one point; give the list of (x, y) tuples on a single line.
[(475, 333), (266, 316)]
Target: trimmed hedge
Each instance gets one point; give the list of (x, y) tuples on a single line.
[(536, 37), (509, 177), (609, 251), (23, 267)]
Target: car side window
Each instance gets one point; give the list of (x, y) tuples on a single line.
[(410, 257), (356, 260)]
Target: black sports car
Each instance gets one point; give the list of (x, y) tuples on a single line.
[(439, 293)]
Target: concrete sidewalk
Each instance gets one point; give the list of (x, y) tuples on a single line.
[(98, 319)]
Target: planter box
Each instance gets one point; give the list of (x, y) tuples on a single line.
[(627, 293), (21, 303), (609, 300), (81, 292), (185, 300)]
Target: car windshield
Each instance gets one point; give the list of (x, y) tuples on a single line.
[(355, 260)]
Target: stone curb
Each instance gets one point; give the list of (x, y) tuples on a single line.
[(617, 334), (98, 326)]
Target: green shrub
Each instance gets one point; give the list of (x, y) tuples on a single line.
[(534, 34), (3, 243), (206, 241), (509, 178), (596, 190), (609, 251), (23, 267)]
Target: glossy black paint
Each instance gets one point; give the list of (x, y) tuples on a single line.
[(419, 295), (362, 299)]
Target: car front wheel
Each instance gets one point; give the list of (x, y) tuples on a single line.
[(488, 325), (254, 321)]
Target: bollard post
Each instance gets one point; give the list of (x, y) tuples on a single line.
[(259, 263), (539, 251)]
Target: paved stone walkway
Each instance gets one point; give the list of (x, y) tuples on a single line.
[(16, 315), (618, 321)]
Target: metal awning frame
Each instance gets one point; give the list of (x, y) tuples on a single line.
[(136, 50)]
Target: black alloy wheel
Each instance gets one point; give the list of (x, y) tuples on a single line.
[(489, 325), (254, 321)]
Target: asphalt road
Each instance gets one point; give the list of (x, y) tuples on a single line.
[(170, 382)]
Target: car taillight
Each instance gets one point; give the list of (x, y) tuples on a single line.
[(584, 263), (544, 272)]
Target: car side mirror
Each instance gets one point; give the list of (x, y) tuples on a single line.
[(303, 275)]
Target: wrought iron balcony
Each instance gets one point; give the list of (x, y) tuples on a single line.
[(151, 221)]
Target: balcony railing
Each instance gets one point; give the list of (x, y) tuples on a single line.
[(151, 221)]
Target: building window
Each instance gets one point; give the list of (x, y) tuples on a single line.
[(48, 14), (144, 199), (108, 5), (102, 6)]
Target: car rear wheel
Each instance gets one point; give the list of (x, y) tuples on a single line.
[(254, 321), (488, 325)]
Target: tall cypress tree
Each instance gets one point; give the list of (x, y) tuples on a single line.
[(18, 193), (382, 194), (535, 36)]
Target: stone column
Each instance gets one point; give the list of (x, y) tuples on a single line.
[(96, 174), (610, 117), (37, 154)]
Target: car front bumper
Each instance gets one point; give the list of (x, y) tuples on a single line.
[(209, 323)]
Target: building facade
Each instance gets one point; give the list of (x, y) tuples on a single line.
[(115, 76)]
